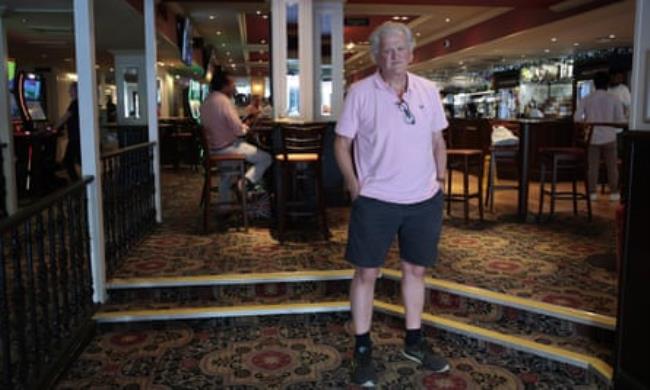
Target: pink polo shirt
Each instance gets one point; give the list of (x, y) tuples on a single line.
[(393, 159), (220, 121)]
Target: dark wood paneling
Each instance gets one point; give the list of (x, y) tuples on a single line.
[(633, 322)]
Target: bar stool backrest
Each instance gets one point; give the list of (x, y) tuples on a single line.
[(469, 134), (302, 139)]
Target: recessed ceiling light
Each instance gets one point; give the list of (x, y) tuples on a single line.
[(223, 45), (229, 59), (447, 20), (417, 34), (161, 63), (576, 44), (460, 62), (177, 77), (258, 12), (350, 46), (111, 70), (553, 39), (211, 17), (396, 17), (547, 50), (263, 41), (404, 18), (227, 53), (611, 36), (265, 16), (218, 32), (24, 20), (523, 56)]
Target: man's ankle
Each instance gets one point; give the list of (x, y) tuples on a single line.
[(413, 336), (362, 342)]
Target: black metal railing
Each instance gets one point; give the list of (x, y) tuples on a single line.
[(129, 204), (45, 288)]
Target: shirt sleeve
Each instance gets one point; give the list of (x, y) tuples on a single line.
[(619, 113), (232, 120), (348, 123), (579, 115), (439, 118)]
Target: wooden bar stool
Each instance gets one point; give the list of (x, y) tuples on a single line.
[(465, 160), (571, 161), (301, 145), (504, 155), (219, 164)]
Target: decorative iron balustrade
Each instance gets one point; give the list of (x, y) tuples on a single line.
[(129, 206), (46, 303)]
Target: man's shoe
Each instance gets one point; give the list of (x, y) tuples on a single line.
[(363, 369), (422, 353)]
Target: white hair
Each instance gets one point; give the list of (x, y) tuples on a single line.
[(389, 28)]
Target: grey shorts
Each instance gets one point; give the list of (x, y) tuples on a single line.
[(374, 225)]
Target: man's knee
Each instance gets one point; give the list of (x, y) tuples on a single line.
[(366, 275), (413, 271)]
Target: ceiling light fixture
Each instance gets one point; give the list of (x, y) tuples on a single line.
[(223, 45), (177, 77), (447, 20), (211, 17), (547, 50), (258, 12), (553, 39), (611, 36), (265, 16), (417, 34), (218, 32), (395, 17), (404, 18), (576, 44), (111, 70), (263, 41), (228, 53)]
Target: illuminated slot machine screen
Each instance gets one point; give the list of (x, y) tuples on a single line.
[(194, 99)]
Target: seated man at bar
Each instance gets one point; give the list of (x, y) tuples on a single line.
[(70, 119), (223, 131), (602, 107)]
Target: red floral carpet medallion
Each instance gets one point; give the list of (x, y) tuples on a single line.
[(272, 361)]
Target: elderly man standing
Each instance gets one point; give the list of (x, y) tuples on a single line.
[(395, 120)]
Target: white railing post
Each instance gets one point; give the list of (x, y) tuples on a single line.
[(84, 29), (152, 103)]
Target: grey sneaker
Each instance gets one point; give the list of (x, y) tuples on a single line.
[(423, 354), (363, 369)]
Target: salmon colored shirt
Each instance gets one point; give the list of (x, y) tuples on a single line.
[(220, 121), (394, 159)]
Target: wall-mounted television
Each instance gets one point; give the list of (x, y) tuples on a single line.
[(184, 27)]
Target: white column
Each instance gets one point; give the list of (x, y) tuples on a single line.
[(152, 108), (6, 130), (334, 9), (306, 58), (640, 88), (84, 28), (279, 56), (338, 86)]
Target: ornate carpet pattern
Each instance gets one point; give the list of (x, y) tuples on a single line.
[(545, 262), (297, 352)]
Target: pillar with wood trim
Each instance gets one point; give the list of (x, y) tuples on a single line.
[(6, 129)]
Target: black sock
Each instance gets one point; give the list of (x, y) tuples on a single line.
[(413, 336), (363, 340)]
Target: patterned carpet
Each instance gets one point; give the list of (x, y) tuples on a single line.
[(546, 262), (297, 352)]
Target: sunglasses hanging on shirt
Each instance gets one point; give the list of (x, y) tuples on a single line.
[(403, 106)]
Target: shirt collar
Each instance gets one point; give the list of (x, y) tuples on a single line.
[(381, 84)]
